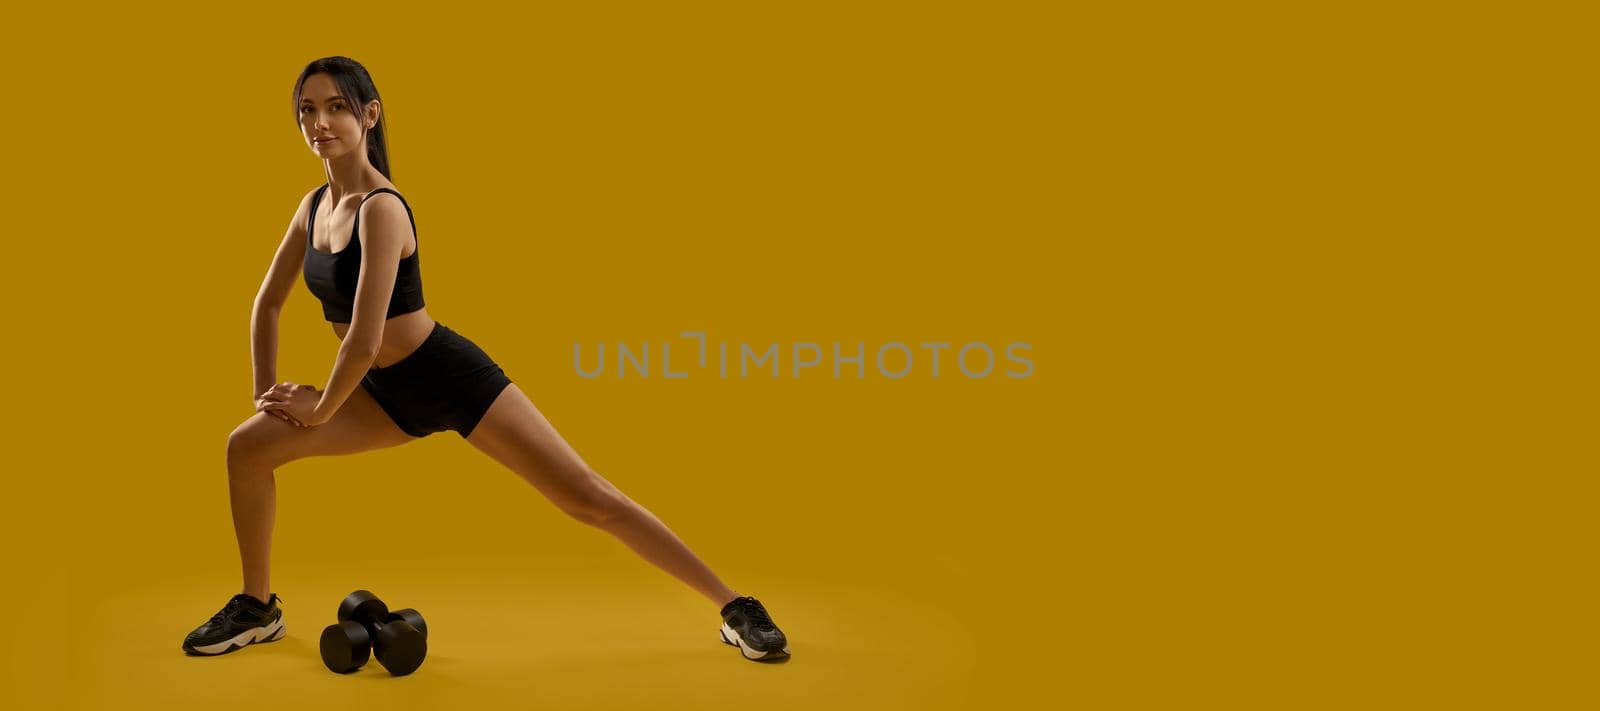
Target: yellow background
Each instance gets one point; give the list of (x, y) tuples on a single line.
[(1302, 291)]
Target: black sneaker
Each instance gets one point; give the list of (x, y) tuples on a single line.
[(746, 625), (244, 620)]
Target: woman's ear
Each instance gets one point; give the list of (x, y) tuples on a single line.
[(374, 110)]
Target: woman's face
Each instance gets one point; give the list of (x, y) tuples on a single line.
[(331, 124)]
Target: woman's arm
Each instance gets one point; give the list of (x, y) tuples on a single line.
[(264, 346), (280, 279), (385, 230)]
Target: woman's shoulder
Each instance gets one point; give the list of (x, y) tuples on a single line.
[(385, 186), (311, 196), (374, 198), (306, 201)]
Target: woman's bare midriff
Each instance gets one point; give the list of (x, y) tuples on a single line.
[(401, 336)]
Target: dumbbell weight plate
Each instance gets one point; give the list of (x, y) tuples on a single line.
[(345, 647), (411, 616), (400, 647), (362, 604)]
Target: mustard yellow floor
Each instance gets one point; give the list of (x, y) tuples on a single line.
[(532, 643)]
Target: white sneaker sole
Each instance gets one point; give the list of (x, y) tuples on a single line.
[(268, 633), (731, 637)]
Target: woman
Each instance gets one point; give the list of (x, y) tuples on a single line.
[(399, 375)]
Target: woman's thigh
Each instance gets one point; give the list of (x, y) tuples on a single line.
[(360, 425), (514, 433)]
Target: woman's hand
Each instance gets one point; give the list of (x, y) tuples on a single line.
[(292, 402), (271, 395)]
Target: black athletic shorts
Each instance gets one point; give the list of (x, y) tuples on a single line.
[(447, 383)]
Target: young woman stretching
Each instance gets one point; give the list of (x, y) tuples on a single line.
[(399, 375)]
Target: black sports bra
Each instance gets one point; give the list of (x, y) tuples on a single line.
[(332, 277)]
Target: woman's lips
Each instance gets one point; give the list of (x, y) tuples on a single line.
[(320, 141)]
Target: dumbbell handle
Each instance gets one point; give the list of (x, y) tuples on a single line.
[(373, 625)]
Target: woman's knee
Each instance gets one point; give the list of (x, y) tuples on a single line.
[(251, 444), (595, 502)]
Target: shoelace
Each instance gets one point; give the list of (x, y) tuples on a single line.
[(233, 604), (756, 614)]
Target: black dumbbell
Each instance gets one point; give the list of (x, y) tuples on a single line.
[(366, 625)]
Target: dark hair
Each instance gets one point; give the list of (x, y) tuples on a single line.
[(355, 84)]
